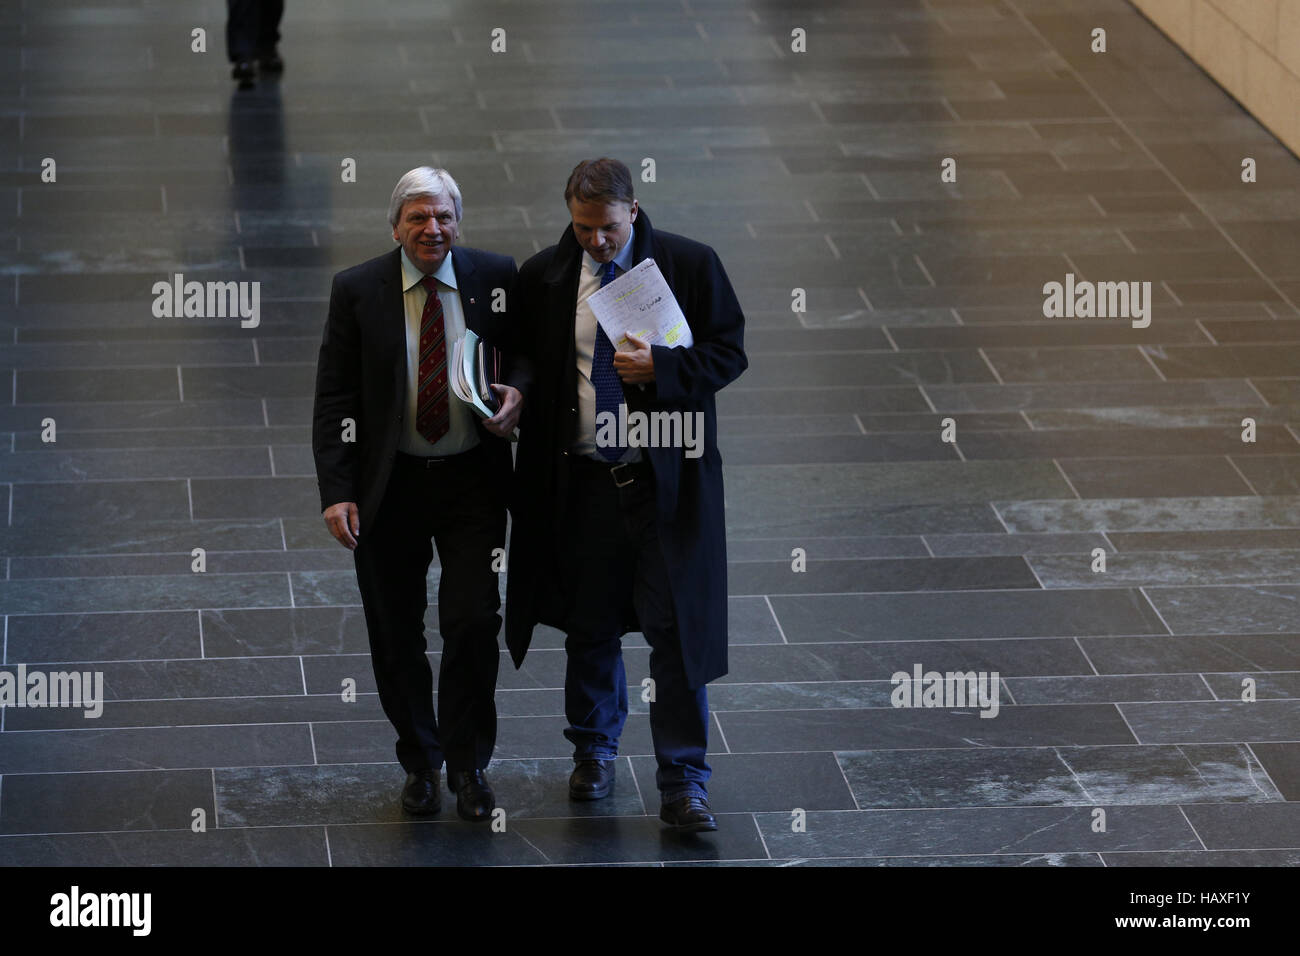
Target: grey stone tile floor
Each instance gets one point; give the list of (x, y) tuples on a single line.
[(1066, 505)]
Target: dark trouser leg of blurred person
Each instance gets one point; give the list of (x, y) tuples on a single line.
[(252, 34), (268, 36)]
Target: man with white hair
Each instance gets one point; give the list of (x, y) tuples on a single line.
[(401, 461)]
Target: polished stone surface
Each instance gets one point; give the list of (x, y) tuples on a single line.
[(922, 467)]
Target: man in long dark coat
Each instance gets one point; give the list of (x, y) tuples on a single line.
[(611, 538)]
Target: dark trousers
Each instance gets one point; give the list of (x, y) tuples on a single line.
[(612, 563), (457, 503), (252, 28)]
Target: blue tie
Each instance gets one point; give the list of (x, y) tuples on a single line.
[(609, 388)]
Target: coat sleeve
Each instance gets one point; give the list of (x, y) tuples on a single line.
[(338, 397), (517, 366), (521, 340), (718, 327)]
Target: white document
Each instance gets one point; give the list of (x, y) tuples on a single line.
[(640, 302), (455, 377)]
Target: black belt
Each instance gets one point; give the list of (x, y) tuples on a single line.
[(622, 473), (426, 462)]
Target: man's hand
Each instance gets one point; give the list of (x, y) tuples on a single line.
[(344, 522), (507, 417), (636, 367)]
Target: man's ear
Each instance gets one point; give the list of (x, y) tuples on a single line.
[(635, 207)]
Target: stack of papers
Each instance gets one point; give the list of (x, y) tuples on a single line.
[(474, 366)]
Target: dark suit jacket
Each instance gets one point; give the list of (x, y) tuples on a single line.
[(688, 490), (361, 372)]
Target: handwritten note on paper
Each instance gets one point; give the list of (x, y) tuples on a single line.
[(640, 302)]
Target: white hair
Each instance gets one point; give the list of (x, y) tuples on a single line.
[(422, 181)]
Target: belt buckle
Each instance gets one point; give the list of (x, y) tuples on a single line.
[(617, 483)]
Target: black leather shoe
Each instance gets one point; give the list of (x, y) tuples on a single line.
[(474, 797), (591, 780), (420, 796), (270, 63), (243, 70), (688, 815)]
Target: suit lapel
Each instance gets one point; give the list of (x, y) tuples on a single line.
[(389, 314), (470, 288), (646, 246), (561, 279)]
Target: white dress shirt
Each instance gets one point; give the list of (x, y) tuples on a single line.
[(584, 341)]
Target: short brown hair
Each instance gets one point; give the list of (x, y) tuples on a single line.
[(601, 181)]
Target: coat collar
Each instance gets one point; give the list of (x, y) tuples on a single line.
[(392, 274), (462, 264)]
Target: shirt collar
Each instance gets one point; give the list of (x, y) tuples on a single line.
[(411, 276), (623, 260)]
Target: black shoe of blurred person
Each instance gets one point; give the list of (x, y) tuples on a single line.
[(243, 70), (270, 63), (475, 800), (420, 796)]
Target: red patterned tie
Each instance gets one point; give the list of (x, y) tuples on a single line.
[(432, 414)]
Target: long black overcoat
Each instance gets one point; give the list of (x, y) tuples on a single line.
[(688, 490)]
